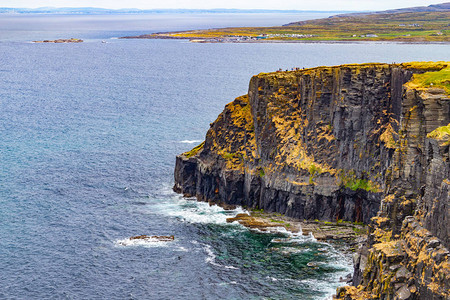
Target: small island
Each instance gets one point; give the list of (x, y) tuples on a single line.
[(71, 40)]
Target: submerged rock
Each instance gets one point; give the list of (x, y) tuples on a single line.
[(254, 222), (145, 240), (155, 238)]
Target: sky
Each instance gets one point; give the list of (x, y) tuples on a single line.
[(327, 5)]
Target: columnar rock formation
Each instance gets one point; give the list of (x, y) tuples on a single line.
[(362, 143)]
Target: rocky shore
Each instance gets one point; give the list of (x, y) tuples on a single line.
[(347, 144), (346, 236)]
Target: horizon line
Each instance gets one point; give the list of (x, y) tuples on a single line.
[(192, 9)]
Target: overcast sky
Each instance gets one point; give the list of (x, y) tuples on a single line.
[(243, 4)]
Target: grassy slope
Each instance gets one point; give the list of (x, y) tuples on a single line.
[(437, 75), (434, 27)]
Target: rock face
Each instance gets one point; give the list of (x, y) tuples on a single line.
[(362, 143)]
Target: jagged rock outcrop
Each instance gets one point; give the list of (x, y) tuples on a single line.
[(362, 143)]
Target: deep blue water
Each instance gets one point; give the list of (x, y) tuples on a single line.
[(88, 138)]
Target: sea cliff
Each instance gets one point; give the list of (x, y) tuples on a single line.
[(361, 143)]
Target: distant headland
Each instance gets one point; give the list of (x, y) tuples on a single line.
[(427, 24)]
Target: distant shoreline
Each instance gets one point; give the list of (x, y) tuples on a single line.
[(423, 25), (160, 36)]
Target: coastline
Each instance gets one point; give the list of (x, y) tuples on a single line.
[(346, 235), (410, 27), (218, 41)]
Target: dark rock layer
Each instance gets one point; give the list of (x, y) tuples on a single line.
[(352, 143)]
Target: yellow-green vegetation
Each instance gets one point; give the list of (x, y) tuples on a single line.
[(362, 184), (407, 27), (388, 137), (351, 181), (261, 172), (382, 236), (437, 75), (425, 66), (442, 134), (339, 222), (313, 171), (194, 150), (290, 127), (234, 142), (277, 221), (352, 292), (425, 257), (392, 248)]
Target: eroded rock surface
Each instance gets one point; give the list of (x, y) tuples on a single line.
[(359, 143)]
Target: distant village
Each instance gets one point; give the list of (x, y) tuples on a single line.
[(262, 37)]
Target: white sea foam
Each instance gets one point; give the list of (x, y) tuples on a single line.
[(323, 286), (191, 141), (291, 237), (181, 248), (338, 260), (292, 250), (335, 259), (211, 258), (192, 211), (148, 242)]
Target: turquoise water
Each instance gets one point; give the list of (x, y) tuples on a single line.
[(89, 134)]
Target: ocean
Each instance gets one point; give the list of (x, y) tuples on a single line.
[(88, 138)]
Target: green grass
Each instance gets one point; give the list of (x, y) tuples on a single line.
[(442, 134), (313, 171), (439, 79), (227, 155), (261, 172), (194, 150), (362, 184), (277, 221)]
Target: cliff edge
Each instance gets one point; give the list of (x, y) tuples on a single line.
[(362, 143)]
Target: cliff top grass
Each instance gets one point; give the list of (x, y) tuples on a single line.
[(428, 74), (404, 27), (436, 75), (194, 150), (441, 134)]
